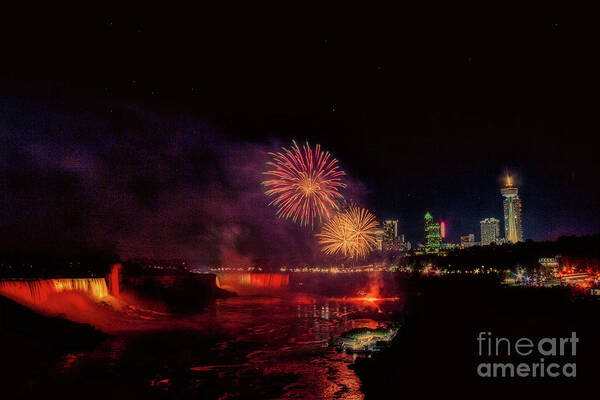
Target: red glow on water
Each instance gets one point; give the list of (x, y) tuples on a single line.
[(371, 300), (372, 297)]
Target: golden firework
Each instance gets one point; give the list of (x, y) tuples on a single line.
[(351, 233)]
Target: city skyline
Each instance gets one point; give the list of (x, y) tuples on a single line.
[(154, 139), (272, 204), (490, 227)]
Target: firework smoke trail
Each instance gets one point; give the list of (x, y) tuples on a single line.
[(305, 183), (351, 233)]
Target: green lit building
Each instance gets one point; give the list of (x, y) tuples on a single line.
[(433, 236)]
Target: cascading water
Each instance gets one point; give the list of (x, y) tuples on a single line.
[(36, 292), (247, 282), (88, 300)]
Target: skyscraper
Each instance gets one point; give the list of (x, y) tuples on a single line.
[(390, 236), (490, 231), (513, 226), (433, 237), (390, 226)]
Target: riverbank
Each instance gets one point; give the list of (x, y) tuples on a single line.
[(436, 353)]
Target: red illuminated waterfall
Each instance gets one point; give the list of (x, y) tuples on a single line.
[(37, 292), (251, 282)]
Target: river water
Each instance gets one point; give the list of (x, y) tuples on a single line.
[(273, 345)]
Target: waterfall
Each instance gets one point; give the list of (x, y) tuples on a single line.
[(37, 291), (243, 282)]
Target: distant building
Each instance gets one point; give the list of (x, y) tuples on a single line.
[(433, 236), (379, 234), (550, 265), (513, 221), (390, 226), (390, 235), (450, 246), (391, 240), (550, 262), (467, 241), (490, 231)]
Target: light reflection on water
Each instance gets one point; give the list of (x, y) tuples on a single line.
[(251, 347), (292, 337)]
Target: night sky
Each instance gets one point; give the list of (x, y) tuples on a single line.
[(138, 130)]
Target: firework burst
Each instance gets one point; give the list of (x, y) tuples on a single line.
[(305, 183), (351, 233)]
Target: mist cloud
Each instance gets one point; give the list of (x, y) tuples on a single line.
[(151, 185)]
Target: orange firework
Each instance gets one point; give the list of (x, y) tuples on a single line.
[(351, 233), (305, 183)]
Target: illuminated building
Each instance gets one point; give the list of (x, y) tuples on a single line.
[(467, 241), (550, 265), (550, 262), (390, 226), (450, 246), (433, 237), (490, 231), (513, 226), (390, 239), (404, 245), (380, 233), (390, 234)]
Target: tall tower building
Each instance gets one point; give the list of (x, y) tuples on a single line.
[(433, 237), (490, 231), (513, 225)]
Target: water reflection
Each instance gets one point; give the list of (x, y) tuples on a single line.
[(248, 347), (290, 337)]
